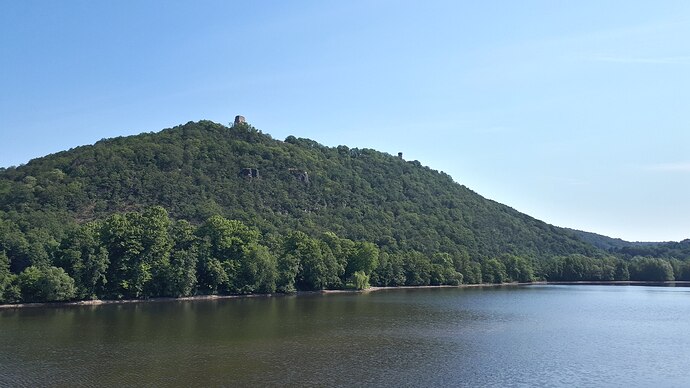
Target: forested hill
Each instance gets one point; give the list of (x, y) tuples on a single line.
[(196, 170), (203, 208)]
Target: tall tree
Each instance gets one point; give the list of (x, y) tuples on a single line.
[(138, 247), (181, 273), (46, 284), (9, 291), (85, 259)]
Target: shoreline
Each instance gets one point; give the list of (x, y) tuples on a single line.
[(101, 302), (622, 282)]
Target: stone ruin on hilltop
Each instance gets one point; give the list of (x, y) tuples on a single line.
[(239, 120)]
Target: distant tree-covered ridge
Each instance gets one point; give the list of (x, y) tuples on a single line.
[(608, 243), (207, 209)]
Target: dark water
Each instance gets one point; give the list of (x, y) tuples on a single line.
[(518, 336)]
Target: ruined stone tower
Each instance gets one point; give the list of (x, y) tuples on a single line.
[(239, 120)]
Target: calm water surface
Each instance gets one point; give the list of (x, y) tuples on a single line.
[(509, 336)]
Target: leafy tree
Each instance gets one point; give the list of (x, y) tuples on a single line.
[(9, 291), (340, 249), (681, 269), (651, 269), (157, 244), (493, 271), (127, 273), (46, 284), (181, 274), (42, 245), (138, 247), (443, 270), (518, 268), (390, 271), (233, 248), (260, 270), (621, 271), (417, 269), (288, 268), (578, 267), (212, 276), (362, 257), (13, 242), (85, 259), (360, 280), (318, 267)]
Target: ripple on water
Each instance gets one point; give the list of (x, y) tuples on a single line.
[(522, 336)]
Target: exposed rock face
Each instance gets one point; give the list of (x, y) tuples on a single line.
[(249, 173), (239, 120), (301, 175)]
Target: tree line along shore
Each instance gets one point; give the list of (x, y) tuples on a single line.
[(143, 255)]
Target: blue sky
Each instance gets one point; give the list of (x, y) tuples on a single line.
[(576, 113)]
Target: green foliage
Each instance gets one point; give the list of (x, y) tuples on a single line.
[(582, 268), (417, 269), (390, 271), (362, 257), (138, 246), (645, 268), (13, 242), (518, 268), (667, 250), (621, 271), (288, 268), (443, 270), (46, 284), (180, 276), (471, 271), (360, 280), (9, 290), (260, 271), (212, 275), (85, 260), (493, 271), (232, 259), (318, 268)]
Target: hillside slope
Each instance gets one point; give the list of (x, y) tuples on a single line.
[(608, 243), (196, 171)]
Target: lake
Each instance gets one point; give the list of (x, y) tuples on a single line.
[(541, 335)]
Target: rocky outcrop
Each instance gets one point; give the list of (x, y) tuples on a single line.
[(301, 175), (249, 173)]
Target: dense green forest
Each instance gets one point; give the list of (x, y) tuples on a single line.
[(607, 243), (207, 209)]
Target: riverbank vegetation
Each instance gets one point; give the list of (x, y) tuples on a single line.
[(139, 255)]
